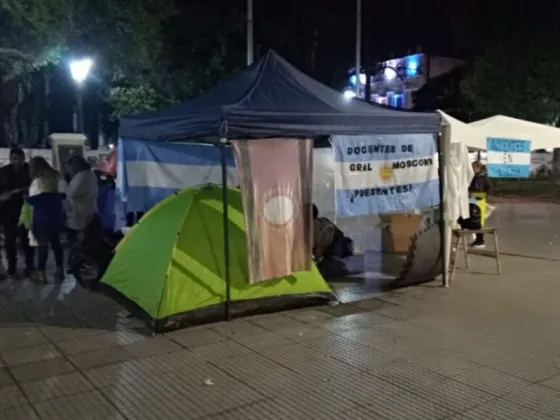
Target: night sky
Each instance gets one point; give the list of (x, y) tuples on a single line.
[(318, 36)]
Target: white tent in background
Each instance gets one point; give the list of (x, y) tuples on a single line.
[(542, 136), (458, 172)]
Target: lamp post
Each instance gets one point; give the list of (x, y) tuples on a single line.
[(358, 45), (250, 41), (80, 70)]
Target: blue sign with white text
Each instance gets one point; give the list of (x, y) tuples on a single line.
[(508, 158)]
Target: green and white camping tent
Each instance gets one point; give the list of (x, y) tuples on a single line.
[(171, 264)]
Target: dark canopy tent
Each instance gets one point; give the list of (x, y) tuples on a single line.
[(273, 98), (270, 98)]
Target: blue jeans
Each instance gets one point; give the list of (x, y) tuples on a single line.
[(45, 238)]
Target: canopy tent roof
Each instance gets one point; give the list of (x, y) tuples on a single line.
[(273, 98), (461, 132), (541, 136)]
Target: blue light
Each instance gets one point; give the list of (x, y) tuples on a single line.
[(412, 66), (353, 80)]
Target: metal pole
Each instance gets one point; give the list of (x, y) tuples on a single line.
[(250, 41), (358, 44), (226, 229), (80, 123), (442, 151)]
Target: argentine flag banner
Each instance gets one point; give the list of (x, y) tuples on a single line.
[(149, 171), (508, 158), (385, 174)]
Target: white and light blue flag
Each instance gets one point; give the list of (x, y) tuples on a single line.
[(508, 158), (149, 171), (385, 174)]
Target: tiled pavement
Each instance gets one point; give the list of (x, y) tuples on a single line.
[(486, 348)]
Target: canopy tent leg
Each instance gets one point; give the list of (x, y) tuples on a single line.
[(442, 152), (227, 309)]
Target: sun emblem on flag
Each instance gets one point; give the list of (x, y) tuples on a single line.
[(386, 173)]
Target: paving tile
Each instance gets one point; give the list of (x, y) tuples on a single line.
[(5, 377), (308, 405), (178, 395), (452, 395), (263, 341), (303, 333), (56, 386), (146, 369), (362, 321), (29, 354), (538, 398), (405, 406), (499, 410), (19, 337), (350, 352), (86, 406), (445, 364), (23, 412), (152, 347), (274, 322), (35, 371), (59, 334), (407, 375), (85, 344), (492, 381), (97, 358), (552, 382), (341, 310), (310, 316), (125, 336), (11, 396), (197, 336), (237, 328), (223, 349), (534, 366)]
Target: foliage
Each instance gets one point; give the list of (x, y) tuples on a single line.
[(122, 36), (517, 77), (194, 57)]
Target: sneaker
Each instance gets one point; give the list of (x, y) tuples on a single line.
[(478, 245)]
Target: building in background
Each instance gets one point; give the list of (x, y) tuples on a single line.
[(393, 82)]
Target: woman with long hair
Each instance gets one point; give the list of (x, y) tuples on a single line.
[(46, 198)]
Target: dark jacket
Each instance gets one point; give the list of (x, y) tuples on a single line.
[(480, 183), (11, 180), (48, 213)]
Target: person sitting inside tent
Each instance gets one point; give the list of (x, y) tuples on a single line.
[(328, 240)]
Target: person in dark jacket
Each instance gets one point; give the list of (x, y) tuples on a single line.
[(479, 184), (14, 184)]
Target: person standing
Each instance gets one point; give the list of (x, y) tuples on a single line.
[(480, 184), (46, 199), (14, 185), (81, 196)]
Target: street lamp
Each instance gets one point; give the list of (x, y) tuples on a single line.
[(79, 69)]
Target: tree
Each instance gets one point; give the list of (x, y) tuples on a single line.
[(516, 72), (195, 56), (518, 79), (125, 38)]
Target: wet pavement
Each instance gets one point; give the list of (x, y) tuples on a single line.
[(486, 348)]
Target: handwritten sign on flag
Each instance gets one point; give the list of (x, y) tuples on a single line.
[(385, 174)]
